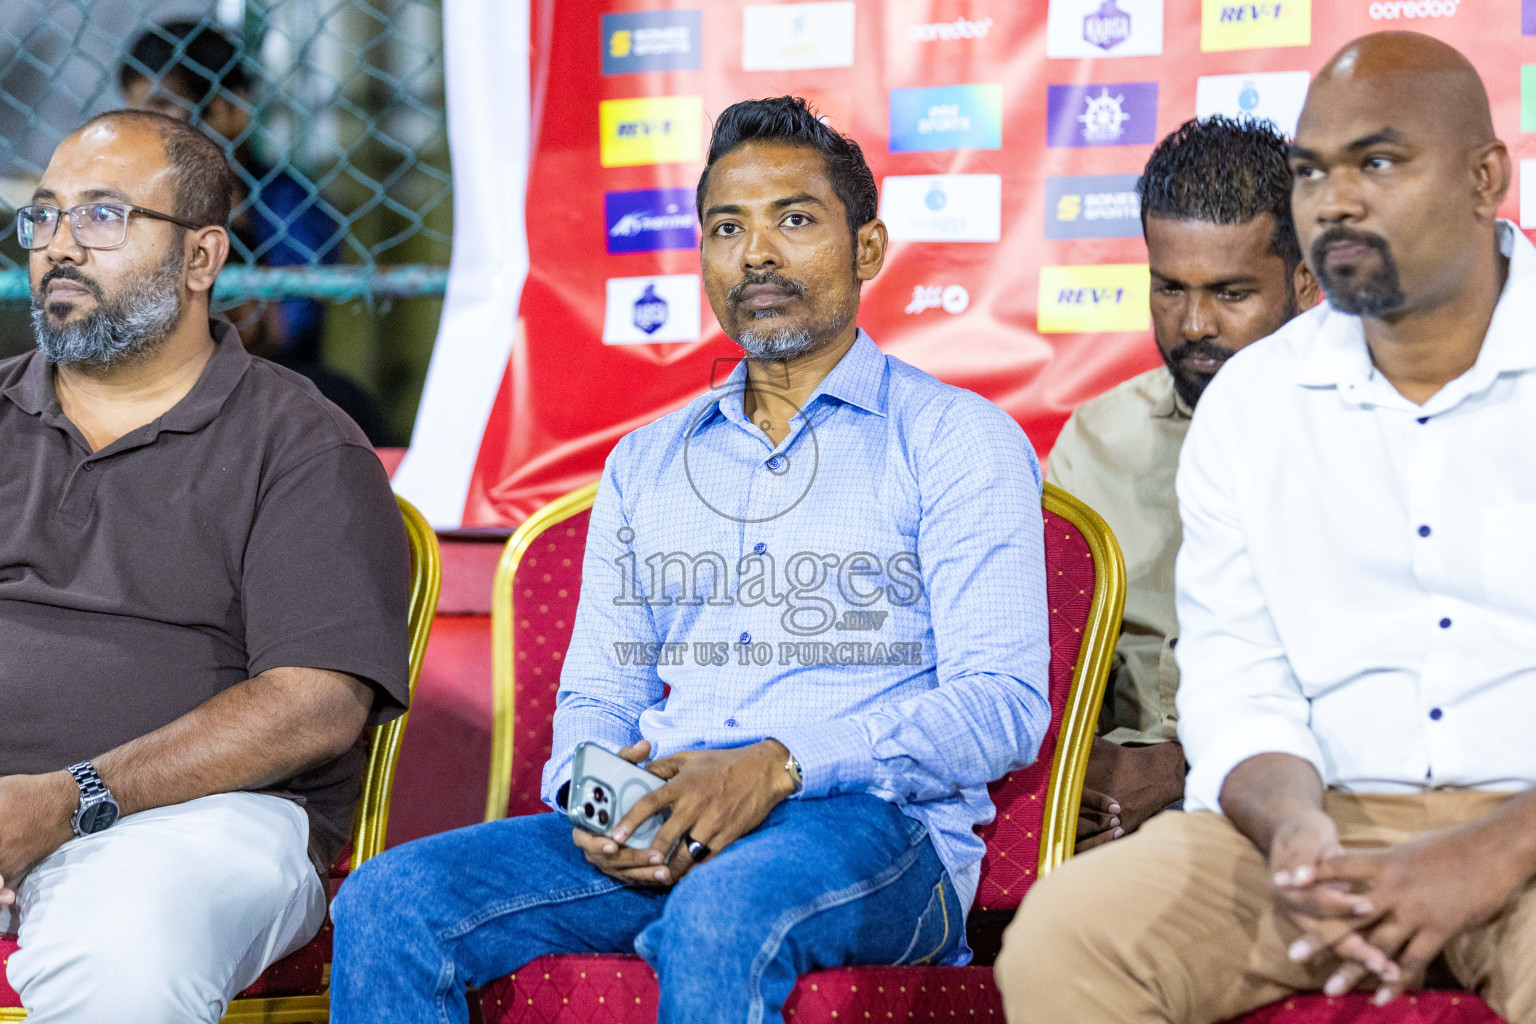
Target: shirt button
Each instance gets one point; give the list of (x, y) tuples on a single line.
[(1445, 623), (1423, 531), (89, 466), (775, 462), (730, 723), (1435, 713), (1423, 420), (759, 547), (746, 638)]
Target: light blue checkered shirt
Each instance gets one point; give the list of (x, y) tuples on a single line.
[(870, 592)]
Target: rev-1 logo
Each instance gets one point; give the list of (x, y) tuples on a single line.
[(1089, 296), (1250, 12)]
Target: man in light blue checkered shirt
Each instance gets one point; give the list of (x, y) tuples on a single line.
[(813, 599)]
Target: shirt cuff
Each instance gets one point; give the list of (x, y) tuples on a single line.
[(835, 757), (1250, 737)]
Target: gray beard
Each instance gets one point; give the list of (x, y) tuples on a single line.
[(125, 329), (771, 346)]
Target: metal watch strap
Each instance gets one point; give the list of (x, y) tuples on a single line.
[(91, 786), (793, 767)]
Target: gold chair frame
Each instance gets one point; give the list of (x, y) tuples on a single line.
[(1079, 718), (378, 777)]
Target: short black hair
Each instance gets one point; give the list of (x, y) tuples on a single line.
[(196, 57), (790, 120), (1223, 170), (202, 181)]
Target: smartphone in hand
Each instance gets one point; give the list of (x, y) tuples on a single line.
[(604, 787)]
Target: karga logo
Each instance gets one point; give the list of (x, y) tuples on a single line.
[(1107, 27), (1392, 10), (945, 31), (1104, 120), (650, 313), (953, 299)]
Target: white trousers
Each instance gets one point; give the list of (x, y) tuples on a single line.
[(165, 916)]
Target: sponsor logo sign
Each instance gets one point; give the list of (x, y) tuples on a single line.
[(1392, 10), (1528, 193), (1092, 206), (650, 219), (1088, 299), (949, 31), (1528, 17), (1119, 114), (651, 130), (1104, 28), (942, 207), (1275, 96), (1225, 25), (952, 299), (651, 41), (646, 309), (791, 37), (1528, 98), (946, 117)]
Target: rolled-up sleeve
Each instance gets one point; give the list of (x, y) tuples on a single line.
[(1238, 696), (981, 552)]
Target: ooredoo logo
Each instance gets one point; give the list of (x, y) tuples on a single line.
[(942, 31), (1392, 10)]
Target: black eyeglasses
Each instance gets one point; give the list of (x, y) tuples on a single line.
[(93, 225)]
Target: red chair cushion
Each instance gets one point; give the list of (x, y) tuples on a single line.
[(1013, 838), (9, 1000), (622, 990), (1415, 1008), (544, 595)]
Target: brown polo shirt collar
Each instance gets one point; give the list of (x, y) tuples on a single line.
[(34, 393)]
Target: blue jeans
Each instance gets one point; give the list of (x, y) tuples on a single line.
[(821, 883)]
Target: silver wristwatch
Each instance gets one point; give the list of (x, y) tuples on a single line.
[(98, 810)]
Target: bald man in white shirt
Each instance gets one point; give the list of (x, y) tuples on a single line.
[(1357, 604)]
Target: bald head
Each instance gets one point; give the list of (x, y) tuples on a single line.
[(1417, 68), (201, 180), (1397, 176)]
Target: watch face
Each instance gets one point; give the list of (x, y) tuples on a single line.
[(97, 817)]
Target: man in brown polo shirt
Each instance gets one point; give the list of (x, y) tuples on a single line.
[(203, 588)]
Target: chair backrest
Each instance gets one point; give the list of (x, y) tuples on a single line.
[(534, 607), (372, 819), (1036, 824)]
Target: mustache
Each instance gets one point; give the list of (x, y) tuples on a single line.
[(1200, 350), (67, 272), (1340, 233), (787, 284)]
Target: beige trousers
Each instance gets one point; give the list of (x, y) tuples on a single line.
[(1176, 923)]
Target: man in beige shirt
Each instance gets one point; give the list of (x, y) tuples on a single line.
[(1226, 271)]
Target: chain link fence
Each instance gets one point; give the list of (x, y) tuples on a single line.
[(331, 112)]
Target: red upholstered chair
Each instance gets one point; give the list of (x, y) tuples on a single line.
[(533, 608), (1431, 1007), (293, 990)]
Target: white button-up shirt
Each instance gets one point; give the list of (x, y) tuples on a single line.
[(1357, 584)]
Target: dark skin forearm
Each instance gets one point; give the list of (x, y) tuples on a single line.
[(1268, 790), (252, 735)]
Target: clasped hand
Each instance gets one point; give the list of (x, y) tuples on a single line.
[(715, 797), (1386, 913), (35, 811)]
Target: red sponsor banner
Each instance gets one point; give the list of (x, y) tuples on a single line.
[(1006, 138)]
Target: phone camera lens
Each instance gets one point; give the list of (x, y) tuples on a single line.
[(602, 817), (588, 810), (599, 795)]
